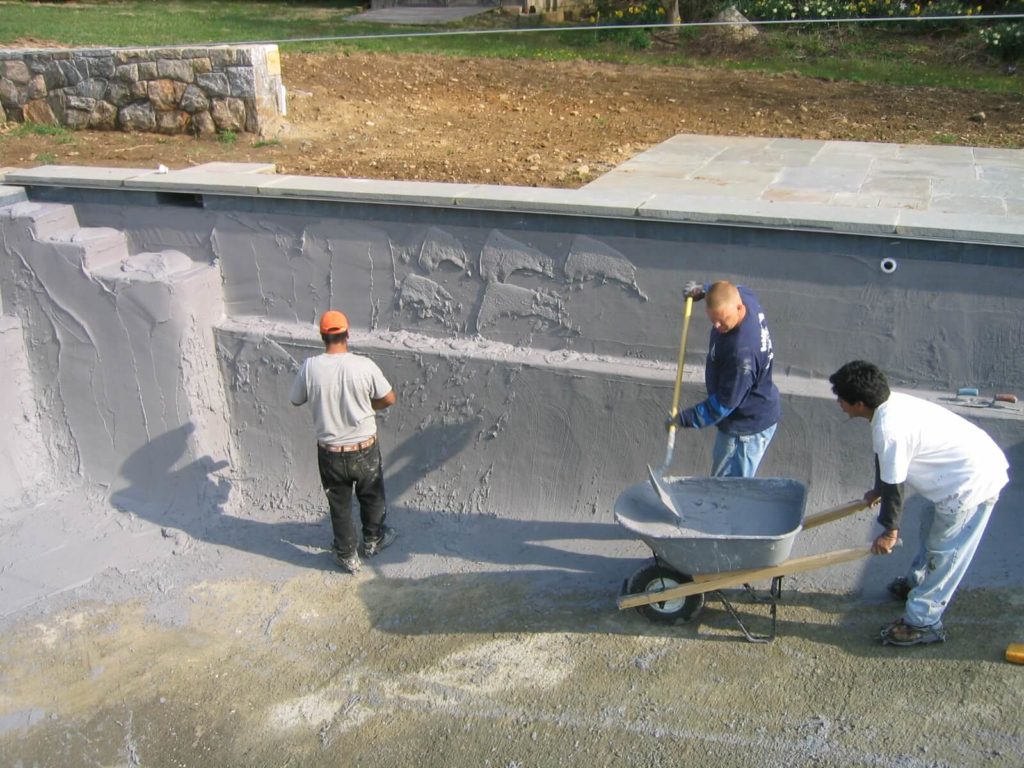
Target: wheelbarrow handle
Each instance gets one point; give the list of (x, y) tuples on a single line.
[(713, 581), (835, 513)]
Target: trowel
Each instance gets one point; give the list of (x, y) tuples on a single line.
[(657, 481)]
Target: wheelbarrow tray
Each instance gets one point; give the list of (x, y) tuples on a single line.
[(727, 523)]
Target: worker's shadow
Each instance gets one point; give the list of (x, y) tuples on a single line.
[(191, 499), (424, 450)]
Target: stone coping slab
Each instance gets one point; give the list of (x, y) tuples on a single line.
[(219, 166), (365, 190), (195, 180), (723, 210), (77, 176), (795, 195), (611, 203)]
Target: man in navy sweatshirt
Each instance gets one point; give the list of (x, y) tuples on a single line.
[(742, 400)]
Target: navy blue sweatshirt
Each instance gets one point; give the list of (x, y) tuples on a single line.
[(742, 400)]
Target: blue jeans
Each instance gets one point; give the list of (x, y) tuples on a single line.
[(739, 455), (950, 534), (343, 474)]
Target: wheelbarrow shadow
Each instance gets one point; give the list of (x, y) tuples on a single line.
[(471, 574), (535, 602), (451, 573), (851, 624)]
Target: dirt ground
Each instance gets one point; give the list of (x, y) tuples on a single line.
[(214, 654), (155, 668), (534, 123)]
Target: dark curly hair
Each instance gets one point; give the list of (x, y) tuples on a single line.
[(860, 382)]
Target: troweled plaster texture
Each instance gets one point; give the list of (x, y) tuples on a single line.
[(122, 378), (532, 353)]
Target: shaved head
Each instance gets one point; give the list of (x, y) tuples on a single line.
[(724, 307), (722, 292)]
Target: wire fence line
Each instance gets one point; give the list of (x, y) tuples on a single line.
[(660, 25)]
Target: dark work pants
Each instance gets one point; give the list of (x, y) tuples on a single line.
[(343, 474)]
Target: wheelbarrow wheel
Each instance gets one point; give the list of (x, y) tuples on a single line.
[(657, 578)]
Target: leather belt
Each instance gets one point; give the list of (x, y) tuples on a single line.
[(349, 448)]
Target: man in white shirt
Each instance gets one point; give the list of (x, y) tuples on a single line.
[(949, 461), (345, 390)]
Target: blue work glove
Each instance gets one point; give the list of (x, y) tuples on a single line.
[(679, 422), (694, 290)]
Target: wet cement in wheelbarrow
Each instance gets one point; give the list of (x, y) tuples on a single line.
[(714, 507)]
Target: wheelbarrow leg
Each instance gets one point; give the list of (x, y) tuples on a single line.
[(774, 594)]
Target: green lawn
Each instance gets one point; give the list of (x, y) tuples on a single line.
[(865, 53)]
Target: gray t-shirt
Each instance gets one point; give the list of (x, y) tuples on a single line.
[(340, 387)]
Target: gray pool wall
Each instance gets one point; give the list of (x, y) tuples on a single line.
[(533, 353)]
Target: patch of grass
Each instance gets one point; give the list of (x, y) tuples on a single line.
[(950, 56), (266, 143), (946, 138), (227, 138), (169, 22), (869, 55), (46, 158), (41, 129)]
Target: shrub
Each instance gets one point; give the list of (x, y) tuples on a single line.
[(1005, 40), (851, 9), (619, 12)]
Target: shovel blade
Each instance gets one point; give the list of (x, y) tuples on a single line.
[(663, 494)]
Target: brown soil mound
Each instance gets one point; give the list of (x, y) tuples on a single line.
[(534, 123)]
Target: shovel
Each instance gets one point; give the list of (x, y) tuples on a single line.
[(659, 484)]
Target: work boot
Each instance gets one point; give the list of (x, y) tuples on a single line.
[(350, 563), (372, 546)]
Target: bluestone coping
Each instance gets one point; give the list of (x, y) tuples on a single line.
[(935, 192), (75, 176)]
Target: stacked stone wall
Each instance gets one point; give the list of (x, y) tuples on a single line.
[(164, 90)]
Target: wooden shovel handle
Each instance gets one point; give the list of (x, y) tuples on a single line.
[(687, 311)]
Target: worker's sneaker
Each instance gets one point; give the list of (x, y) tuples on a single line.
[(350, 563), (900, 633), (372, 546)]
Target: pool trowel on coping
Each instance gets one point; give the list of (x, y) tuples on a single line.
[(657, 480)]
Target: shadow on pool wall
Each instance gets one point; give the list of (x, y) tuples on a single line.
[(533, 354)]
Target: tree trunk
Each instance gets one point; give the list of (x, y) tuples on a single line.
[(671, 11)]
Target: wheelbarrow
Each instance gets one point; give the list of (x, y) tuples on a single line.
[(731, 532)]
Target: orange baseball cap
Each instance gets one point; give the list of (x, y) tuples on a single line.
[(333, 321)]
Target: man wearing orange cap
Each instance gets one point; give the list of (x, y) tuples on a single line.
[(345, 390)]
